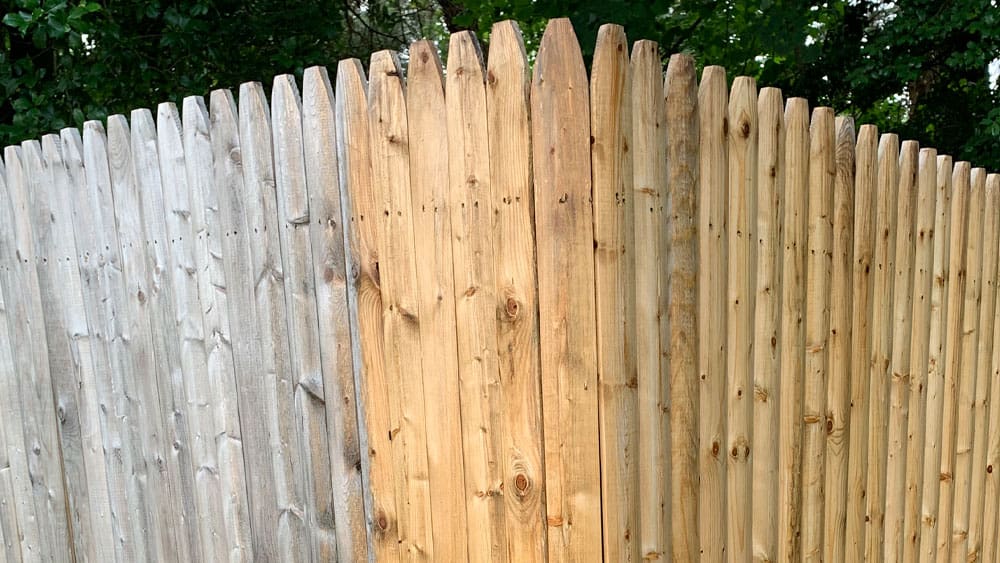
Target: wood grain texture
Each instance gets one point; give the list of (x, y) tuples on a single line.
[(793, 280), (201, 200), (364, 292), (712, 264), (400, 302), (106, 298), (865, 204), (742, 275), (430, 189), (899, 363), (887, 184), (560, 128), (679, 285), (991, 491), (71, 359), (328, 238), (819, 262), (470, 199), (925, 242), (507, 87), (649, 150), (841, 344), (958, 274), (614, 275), (301, 314), (954, 502), (947, 225), (969, 483)]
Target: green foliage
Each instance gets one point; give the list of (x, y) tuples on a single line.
[(916, 67)]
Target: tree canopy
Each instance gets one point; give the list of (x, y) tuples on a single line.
[(915, 67)]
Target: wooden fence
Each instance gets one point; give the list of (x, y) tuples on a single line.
[(493, 314)]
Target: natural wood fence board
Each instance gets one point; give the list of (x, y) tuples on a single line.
[(560, 128), (507, 80), (991, 491)]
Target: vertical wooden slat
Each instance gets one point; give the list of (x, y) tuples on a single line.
[(432, 238), (681, 289), (206, 233), (171, 373), (470, 204), (517, 319), (742, 224), (991, 490), (108, 314), (327, 233), (255, 407), (792, 355), (970, 550), (955, 497), (182, 272), (712, 201), (364, 291), (560, 130), (865, 203), (301, 322), (962, 234), (70, 356), (15, 497), (925, 237), (400, 303), (614, 275), (164, 518), (881, 350), (822, 172), (899, 364), (947, 227), (649, 144), (841, 345)]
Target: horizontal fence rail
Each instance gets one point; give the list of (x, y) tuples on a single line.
[(490, 312)]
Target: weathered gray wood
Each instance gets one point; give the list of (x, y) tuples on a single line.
[(293, 215), (14, 496), (70, 355), (328, 237), (51, 538), (365, 298), (164, 522)]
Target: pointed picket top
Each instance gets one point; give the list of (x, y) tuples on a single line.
[(560, 124)]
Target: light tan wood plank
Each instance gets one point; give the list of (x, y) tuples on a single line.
[(925, 240), (865, 204), (470, 205), (952, 361), (885, 253), (991, 491), (516, 290), (742, 225), (649, 149), (822, 173), (328, 236), (792, 346), (954, 502), (681, 292), (400, 303), (364, 291), (614, 275), (712, 263), (106, 298), (560, 128), (841, 344), (938, 392), (197, 200), (301, 314)]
